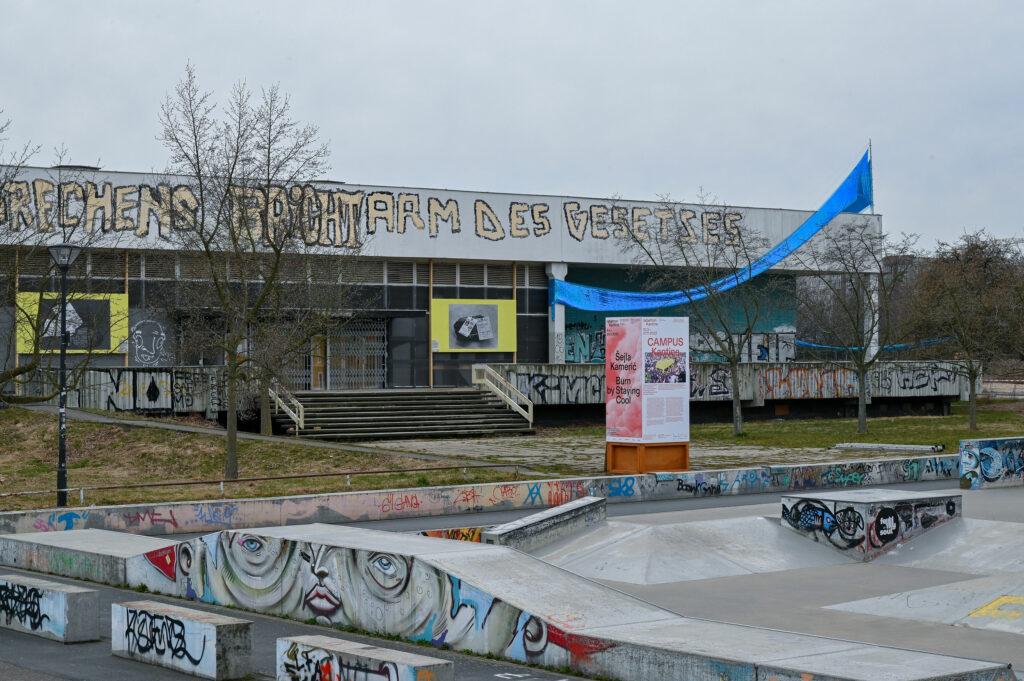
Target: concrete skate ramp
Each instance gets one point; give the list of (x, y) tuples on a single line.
[(660, 554), (96, 555), (494, 600), (979, 547), (985, 603)]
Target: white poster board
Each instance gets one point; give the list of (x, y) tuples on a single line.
[(647, 395)]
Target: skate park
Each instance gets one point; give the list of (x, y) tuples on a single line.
[(654, 583)]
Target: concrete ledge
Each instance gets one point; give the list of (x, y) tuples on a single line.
[(540, 529), (96, 555), (867, 521), (61, 612), (191, 641), (315, 657)]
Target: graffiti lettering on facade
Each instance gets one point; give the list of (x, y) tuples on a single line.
[(344, 218), (156, 634), (710, 382), (584, 343), (560, 388), (22, 604)]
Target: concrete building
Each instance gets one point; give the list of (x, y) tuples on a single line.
[(445, 279)]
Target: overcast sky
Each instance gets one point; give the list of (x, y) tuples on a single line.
[(761, 103)]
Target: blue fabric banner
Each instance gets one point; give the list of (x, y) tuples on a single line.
[(852, 196)]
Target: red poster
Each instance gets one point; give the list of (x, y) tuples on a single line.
[(623, 379)]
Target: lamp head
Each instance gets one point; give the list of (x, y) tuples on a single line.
[(64, 255)]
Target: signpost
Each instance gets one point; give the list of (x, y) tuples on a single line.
[(647, 394)]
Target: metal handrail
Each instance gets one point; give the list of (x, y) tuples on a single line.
[(296, 414), (487, 377)]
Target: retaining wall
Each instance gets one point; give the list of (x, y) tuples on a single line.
[(342, 507)]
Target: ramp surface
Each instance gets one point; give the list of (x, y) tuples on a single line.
[(985, 603)]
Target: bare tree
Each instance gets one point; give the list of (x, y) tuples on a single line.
[(854, 275), (248, 168), (970, 291), (690, 258)]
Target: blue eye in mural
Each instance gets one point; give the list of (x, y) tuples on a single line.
[(385, 565), (250, 543)]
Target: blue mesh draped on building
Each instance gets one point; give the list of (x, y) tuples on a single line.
[(852, 196)]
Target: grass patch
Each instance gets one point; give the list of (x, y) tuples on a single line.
[(102, 454), (993, 421)]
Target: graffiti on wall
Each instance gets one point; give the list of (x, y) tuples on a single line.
[(869, 529), (992, 463), (376, 591), (149, 343), (471, 534), (759, 347), (140, 389), (584, 343), (560, 388)]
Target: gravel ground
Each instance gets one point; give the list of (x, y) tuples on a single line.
[(585, 453)]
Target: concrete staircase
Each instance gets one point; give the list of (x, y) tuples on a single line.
[(403, 414)]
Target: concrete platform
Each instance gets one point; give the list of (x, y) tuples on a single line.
[(867, 522), (95, 555)]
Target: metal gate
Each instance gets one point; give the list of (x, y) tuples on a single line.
[(357, 356)]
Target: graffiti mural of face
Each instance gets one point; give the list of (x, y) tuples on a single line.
[(148, 339), (375, 591), (254, 572)]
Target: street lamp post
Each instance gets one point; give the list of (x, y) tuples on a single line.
[(64, 255)]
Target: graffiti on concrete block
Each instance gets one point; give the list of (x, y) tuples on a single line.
[(869, 529), (841, 527), (308, 663), (159, 635), (22, 604)]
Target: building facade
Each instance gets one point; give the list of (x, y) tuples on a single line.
[(445, 279)]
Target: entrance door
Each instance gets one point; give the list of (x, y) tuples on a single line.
[(358, 356), (319, 368)]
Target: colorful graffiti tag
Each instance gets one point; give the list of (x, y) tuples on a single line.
[(870, 529), (992, 463)]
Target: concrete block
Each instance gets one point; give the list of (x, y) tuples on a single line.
[(996, 462), (867, 522), (539, 529), (61, 612), (191, 641), (315, 657), (96, 555)]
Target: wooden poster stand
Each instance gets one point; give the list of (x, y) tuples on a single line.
[(627, 457)]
